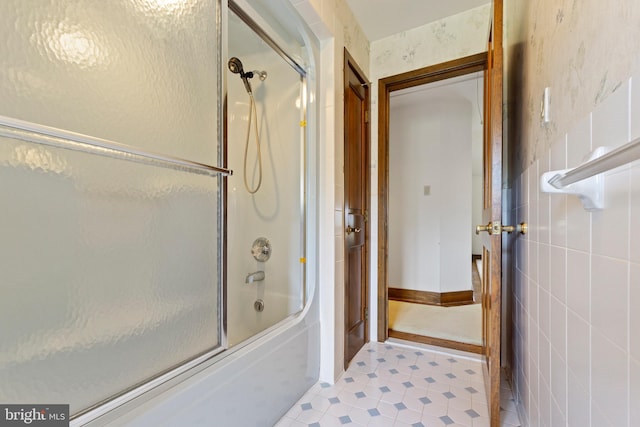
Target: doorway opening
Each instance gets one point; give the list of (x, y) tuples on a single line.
[(430, 187)]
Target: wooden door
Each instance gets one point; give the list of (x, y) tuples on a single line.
[(356, 154), (491, 216)]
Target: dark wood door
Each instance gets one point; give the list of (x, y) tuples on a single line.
[(491, 216), (356, 154)]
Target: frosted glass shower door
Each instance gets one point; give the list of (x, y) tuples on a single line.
[(109, 273), (109, 260)]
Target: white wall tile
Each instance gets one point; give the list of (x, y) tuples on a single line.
[(534, 330), (634, 211), (557, 272), (579, 143), (634, 107), (558, 219), (578, 405), (534, 206), (517, 185), (558, 202), (578, 220), (578, 225), (544, 201), (610, 126), (610, 230), (634, 393), (544, 263), (545, 405), (522, 251), (558, 334), (533, 261), (598, 418), (544, 309), (558, 409), (578, 346), (558, 154), (609, 296), (544, 358), (634, 312), (608, 380), (578, 283)]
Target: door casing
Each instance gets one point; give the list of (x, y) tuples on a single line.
[(446, 70)]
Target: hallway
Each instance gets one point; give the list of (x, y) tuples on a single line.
[(393, 384)]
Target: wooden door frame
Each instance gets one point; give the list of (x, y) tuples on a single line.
[(350, 63), (445, 70)]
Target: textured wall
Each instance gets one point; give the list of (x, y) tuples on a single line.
[(443, 40), (582, 49)]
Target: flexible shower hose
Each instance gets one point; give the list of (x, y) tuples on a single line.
[(252, 113)]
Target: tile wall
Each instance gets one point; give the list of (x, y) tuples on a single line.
[(576, 332)]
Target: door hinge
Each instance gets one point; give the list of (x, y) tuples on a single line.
[(366, 313), (366, 216), (366, 116)]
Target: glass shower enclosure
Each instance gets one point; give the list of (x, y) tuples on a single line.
[(130, 252)]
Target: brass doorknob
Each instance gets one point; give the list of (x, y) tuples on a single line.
[(486, 228), (521, 228), (497, 228), (350, 230)]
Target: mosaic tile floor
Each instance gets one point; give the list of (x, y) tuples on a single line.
[(392, 385)]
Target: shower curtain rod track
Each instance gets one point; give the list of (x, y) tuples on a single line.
[(53, 137), (266, 38)]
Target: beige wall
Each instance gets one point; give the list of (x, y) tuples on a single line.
[(449, 38), (582, 49), (336, 28), (576, 275)]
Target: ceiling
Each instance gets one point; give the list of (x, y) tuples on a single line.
[(382, 18)]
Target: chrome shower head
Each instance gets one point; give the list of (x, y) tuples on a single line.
[(235, 66)]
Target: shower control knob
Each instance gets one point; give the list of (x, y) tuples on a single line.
[(261, 249)]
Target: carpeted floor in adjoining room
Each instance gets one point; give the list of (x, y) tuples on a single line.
[(460, 323)]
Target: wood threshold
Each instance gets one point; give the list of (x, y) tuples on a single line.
[(440, 342), (442, 299)]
